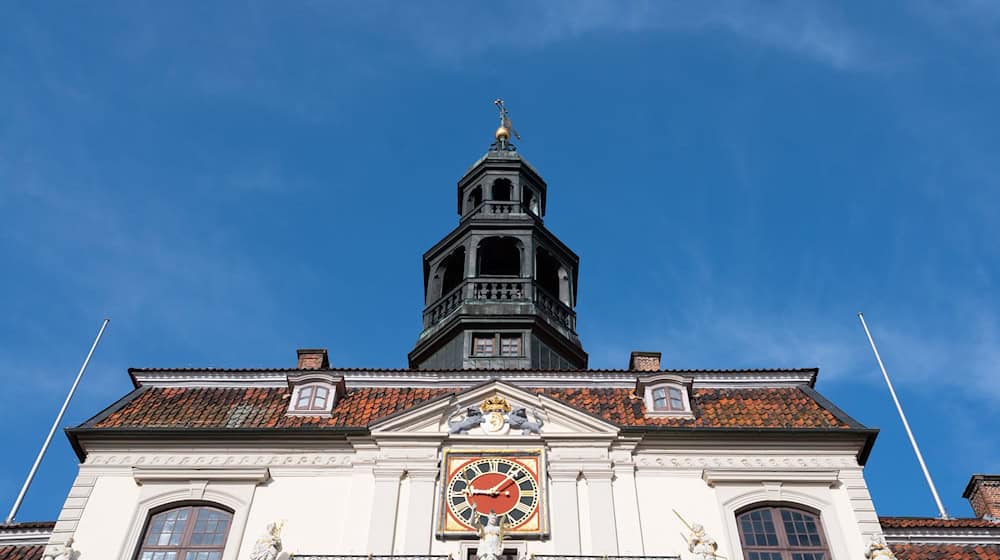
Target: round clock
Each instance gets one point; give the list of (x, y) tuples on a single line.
[(496, 484)]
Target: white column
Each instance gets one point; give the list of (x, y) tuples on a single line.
[(385, 500), (564, 511), (604, 537), (419, 520), (627, 511)]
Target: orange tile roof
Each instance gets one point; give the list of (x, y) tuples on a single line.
[(256, 407), (262, 407), (775, 407), (21, 552), (935, 523), (921, 551)]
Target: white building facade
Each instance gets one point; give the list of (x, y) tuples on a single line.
[(604, 486)]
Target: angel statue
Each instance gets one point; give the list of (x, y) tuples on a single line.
[(878, 550), (268, 546), (490, 536), (63, 551)]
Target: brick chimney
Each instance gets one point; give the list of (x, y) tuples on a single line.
[(313, 358), (644, 361), (983, 492)]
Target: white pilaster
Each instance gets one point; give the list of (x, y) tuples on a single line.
[(564, 510), (603, 536), (419, 520), (385, 501), (629, 530)]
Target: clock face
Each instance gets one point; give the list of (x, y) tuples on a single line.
[(507, 484)]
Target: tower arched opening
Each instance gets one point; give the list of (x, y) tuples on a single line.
[(499, 256), (454, 270), (502, 189)]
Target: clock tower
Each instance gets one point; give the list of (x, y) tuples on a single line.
[(500, 290)]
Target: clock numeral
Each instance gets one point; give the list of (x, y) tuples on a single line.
[(528, 492), (461, 507), (494, 465), (474, 469), (521, 507)]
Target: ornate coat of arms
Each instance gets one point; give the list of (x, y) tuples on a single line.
[(495, 416)]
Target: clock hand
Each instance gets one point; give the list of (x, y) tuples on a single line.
[(506, 479)]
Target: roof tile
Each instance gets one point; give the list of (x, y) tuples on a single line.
[(265, 407), (921, 551), (21, 552)]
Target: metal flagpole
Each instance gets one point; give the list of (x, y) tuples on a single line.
[(899, 407), (55, 425)]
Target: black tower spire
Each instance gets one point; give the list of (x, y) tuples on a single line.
[(500, 289)]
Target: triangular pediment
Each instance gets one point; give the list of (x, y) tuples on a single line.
[(434, 418)]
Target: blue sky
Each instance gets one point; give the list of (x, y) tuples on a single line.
[(230, 182)]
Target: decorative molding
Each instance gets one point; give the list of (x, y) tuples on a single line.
[(18, 536), (624, 379), (717, 476), (192, 460), (936, 535), (144, 475), (749, 462)]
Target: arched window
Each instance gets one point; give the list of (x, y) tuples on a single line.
[(312, 397), (475, 198), (502, 189), (499, 256), (454, 270), (190, 532), (781, 533)]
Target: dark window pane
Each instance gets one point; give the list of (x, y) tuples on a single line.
[(171, 534), (676, 401), (305, 395)]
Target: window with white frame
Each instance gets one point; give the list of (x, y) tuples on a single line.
[(669, 398), (665, 394), (312, 398)]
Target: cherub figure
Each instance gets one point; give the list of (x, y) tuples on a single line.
[(268, 546)]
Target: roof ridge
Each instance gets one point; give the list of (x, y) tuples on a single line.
[(450, 370)]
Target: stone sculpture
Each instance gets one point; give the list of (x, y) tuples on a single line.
[(63, 551), (518, 420), (702, 546), (495, 416), (268, 546), (490, 536), (878, 550), (473, 418)]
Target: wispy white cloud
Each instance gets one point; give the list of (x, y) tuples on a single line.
[(804, 28)]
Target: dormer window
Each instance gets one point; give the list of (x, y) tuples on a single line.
[(312, 397), (665, 394), (668, 398), (314, 394)]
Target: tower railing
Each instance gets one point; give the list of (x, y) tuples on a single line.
[(500, 209), (555, 309), (500, 290)]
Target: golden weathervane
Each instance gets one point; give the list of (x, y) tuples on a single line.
[(506, 129)]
